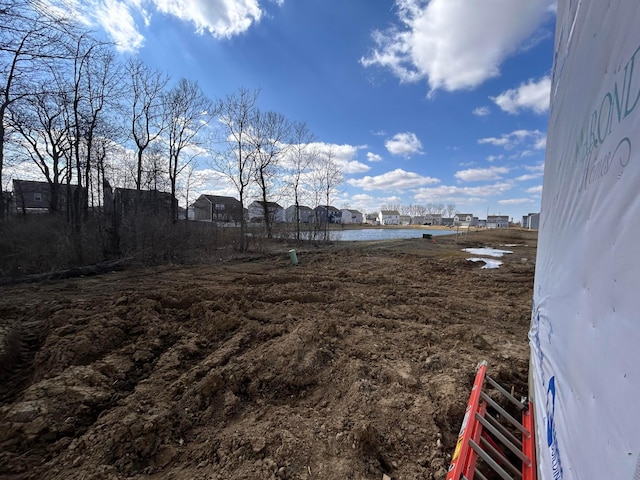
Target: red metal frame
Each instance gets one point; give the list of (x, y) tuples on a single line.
[(462, 460), (529, 444), (470, 464), (464, 457)]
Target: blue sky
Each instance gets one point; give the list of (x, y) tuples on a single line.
[(440, 101)]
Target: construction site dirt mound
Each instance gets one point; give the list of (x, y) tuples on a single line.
[(357, 362)]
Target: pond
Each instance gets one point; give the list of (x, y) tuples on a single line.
[(384, 234)]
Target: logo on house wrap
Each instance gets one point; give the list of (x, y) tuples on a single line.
[(619, 101), (534, 336), (552, 438)]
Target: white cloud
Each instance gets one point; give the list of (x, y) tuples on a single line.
[(362, 202), (405, 144), (352, 167), (481, 111), (395, 180), (536, 190), (529, 176), (220, 18), (343, 156), (454, 44), (115, 17), (452, 193), (22, 171), (373, 157), (212, 182), (517, 137), (478, 174), (535, 168), (492, 158), (530, 95), (390, 200), (541, 143), (361, 198), (514, 201)]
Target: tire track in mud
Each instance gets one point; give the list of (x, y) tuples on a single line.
[(18, 346)]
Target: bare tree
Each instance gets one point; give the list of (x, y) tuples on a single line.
[(327, 178), (189, 181), (392, 206), (93, 79), (29, 38), (450, 210), (269, 134), (156, 175), (188, 111), (404, 209), (104, 77), (43, 136), (146, 126), (418, 210), (301, 157), (236, 160)]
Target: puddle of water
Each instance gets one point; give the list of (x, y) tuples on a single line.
[(488, 262), (491, 252)]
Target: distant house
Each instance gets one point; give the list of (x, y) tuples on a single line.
[(433, 219), (303, 214), (371, 219), (356, 217), (418, 220), (126, 202), (389, 217), (497, 221), (405, 219), (217, 209), (256, 209), (447, 221), (531, 221), (326, 214), (465, 220), (351, 216), (38, 197)]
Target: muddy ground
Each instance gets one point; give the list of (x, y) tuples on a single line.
[(356, 363)]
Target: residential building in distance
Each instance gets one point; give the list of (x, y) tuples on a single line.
[(371, 219), (465, 220), (389, 217), (217, 209), (497, 221), (326, 214), (531, 221), (255, 212), (38, 197), (126, 202), (433, 219), (351, 216), (304, 214)]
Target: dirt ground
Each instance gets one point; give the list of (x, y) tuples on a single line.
[(356, 363)]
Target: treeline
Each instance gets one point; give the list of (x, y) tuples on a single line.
[(89, 120), (446, 211)]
